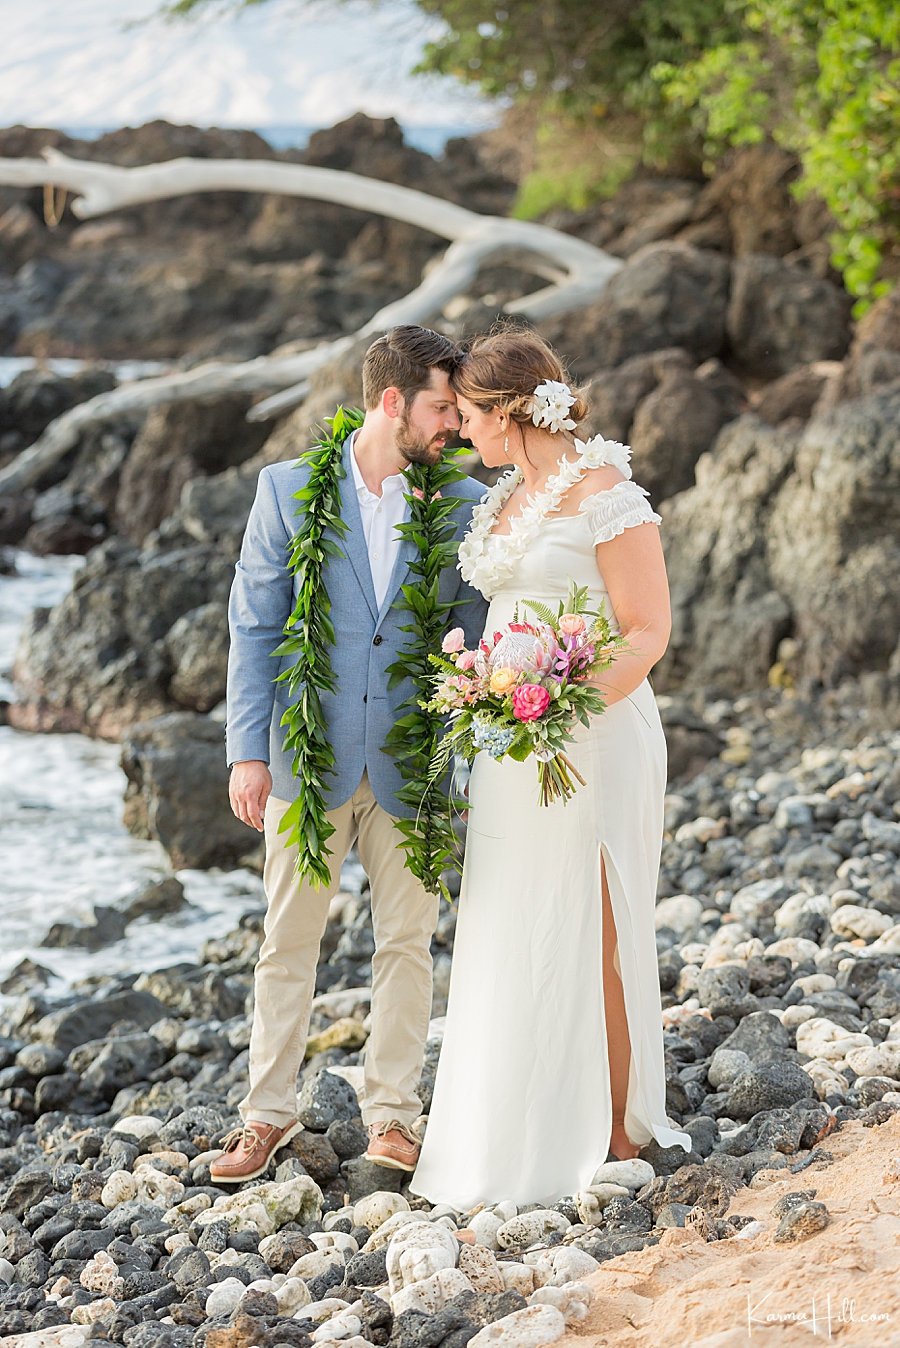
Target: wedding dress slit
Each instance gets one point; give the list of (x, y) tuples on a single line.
[(522, 1104)]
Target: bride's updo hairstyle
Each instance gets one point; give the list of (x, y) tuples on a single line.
[(503, 370)]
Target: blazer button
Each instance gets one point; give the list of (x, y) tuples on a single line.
[(376, 641)]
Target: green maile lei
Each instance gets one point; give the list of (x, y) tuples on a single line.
[(428, 838)]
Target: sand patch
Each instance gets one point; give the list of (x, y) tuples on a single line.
[(841, 1285)]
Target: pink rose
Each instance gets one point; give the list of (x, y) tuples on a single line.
[(571, 624), (466, 660), (454, 641), (530, 702)]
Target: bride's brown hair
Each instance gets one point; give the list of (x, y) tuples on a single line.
[(504, 368)]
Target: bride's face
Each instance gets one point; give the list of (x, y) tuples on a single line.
[(486, 431)]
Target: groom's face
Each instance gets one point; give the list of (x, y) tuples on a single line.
[(428, 421)]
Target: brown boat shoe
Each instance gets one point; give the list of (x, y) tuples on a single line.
[(248, 1150), (393, 1145)]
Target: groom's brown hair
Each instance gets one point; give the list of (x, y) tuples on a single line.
[(403, 359)]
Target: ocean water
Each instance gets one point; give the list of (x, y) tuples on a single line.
[(124, 370), (63, 847)]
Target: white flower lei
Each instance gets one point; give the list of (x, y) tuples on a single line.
[(487, 569)]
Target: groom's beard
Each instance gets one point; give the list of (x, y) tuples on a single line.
[(416, 450)]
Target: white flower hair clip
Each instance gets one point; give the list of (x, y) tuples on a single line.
[(552, 401)]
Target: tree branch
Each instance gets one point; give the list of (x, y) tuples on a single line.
[(578, 273)]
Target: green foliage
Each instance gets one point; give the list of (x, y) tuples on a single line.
[(428, 838), (308, 636), (821, 77)]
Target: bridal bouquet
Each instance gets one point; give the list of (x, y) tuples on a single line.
[(523, 690)]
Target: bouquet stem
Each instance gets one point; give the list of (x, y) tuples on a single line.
[(555, 779)]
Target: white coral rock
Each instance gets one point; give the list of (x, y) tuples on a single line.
[(529, 1328), (417, 1251), (573, 1299)]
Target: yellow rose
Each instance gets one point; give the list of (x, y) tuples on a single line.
[(503, 681)]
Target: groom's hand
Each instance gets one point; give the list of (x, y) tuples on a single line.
[(249, 788)]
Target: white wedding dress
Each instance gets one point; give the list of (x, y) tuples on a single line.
[(521, 1108)]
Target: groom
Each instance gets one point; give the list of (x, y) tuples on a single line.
[(410, 415)]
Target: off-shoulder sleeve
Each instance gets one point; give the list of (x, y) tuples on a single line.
[(611, 512)]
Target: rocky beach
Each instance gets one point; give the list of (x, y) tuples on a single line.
[(764, 423)]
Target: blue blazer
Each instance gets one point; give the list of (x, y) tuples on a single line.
[(362, 710)]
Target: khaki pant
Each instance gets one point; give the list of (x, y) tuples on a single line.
[(403, 916)]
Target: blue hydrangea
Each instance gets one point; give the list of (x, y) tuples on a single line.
[(493, 738)]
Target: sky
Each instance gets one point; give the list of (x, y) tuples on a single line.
[(102, 64)]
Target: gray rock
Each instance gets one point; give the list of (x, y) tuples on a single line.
[(613, 396), (257, 1302), (36, 397), (779, 1130), (757, 1035), (787, 1202), (800, 1222), (188, 1268), (198, 646), (704, 1134), (27, 1189), (771, 1085), (325, 1098), (726, 991), (178, 442), (348, 1137), (669, 965), (81, 1244), (216, 509), (120, 1218), (741, 574), (673, 1214), (368, 1270), (665, 1160), (793, 395), (781, 316), (177, 791), (286, 1249), (107, 927), (25, 977), (726, 1065), (157, 900), (121, 1061), (40, 1060), (666, 295), (673, 426), (33, 1269), (818, 861), (95, 663), (364, 1177)]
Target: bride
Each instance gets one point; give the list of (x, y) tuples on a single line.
[(553, 1051)]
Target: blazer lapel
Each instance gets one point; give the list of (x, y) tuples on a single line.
[(354, 540)]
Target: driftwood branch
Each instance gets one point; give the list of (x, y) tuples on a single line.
[(576, 270)]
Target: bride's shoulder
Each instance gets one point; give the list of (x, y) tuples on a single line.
[(595, 481)]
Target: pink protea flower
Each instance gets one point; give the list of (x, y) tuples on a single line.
[(530, 702), (454, 641), (571, 624)]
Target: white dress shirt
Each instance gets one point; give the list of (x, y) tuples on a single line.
[(380, 516)]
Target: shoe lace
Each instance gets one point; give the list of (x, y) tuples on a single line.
[(394, 1126), (245, 1136)]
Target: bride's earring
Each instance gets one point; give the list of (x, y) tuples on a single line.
[(506, 446)]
